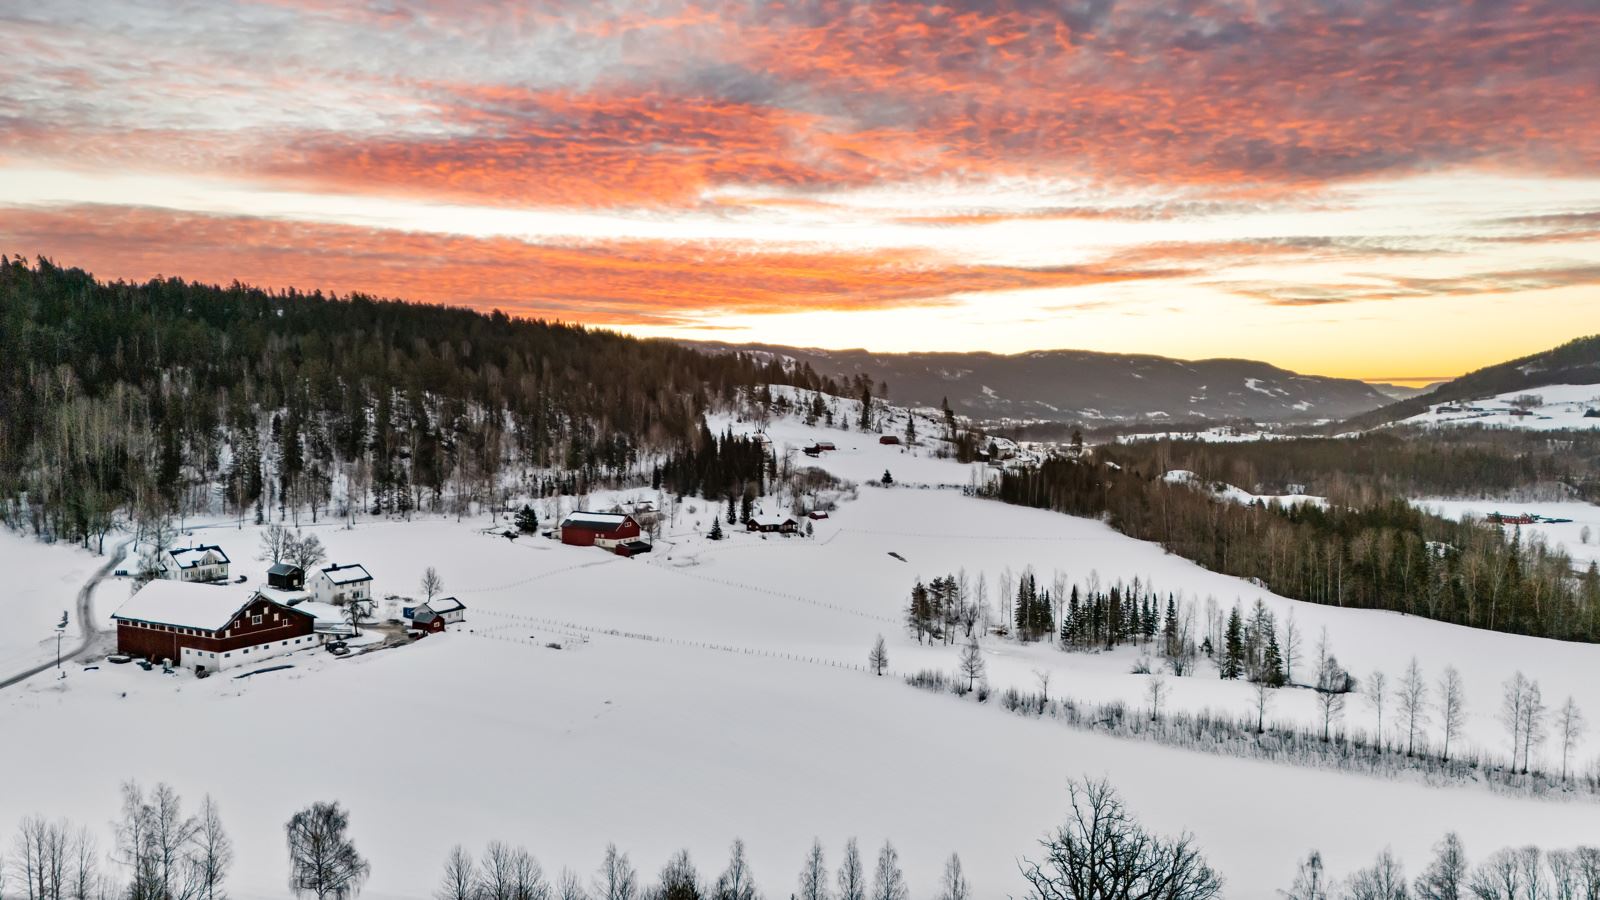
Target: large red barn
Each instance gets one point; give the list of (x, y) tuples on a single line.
[(595, 529), (210, 627)]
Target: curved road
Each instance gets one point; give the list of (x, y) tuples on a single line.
[(86, 629)]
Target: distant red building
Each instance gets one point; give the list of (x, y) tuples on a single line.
[(205, 626), (593, 529), (888, 439)]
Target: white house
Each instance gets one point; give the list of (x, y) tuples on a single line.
[(202, 563), (342, 584), (435, 614)]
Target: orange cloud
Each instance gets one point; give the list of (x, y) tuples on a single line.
[(656, 107), (611, 283)]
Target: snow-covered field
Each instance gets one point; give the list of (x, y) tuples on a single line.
[(40, 583), (1564, 535), (712, 690), (1560, 406), (1221, 434), (1233, 494)]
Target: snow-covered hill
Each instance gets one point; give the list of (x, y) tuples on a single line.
[(718, 689), (1548, 408), (1082, 385)]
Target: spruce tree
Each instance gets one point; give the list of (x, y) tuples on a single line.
[(1233, 649), (527, 520), (716, 530), (1272, 662)]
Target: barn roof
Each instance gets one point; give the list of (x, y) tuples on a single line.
[(597, 521), (185, 604), (284, 569), (774, 521), (442, 605), (347, 574), (181, 555)]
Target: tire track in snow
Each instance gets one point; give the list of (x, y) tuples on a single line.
[(821, 604), (731, 649)]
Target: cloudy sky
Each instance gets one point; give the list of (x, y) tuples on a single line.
[(1384, 189)]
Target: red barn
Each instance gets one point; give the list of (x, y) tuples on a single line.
[(888, 439), (202, 626), (594, 529)]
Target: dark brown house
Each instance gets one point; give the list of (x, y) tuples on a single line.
[(286, 577), (204, 626)]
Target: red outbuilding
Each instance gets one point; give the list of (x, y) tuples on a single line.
[(888, 439), (594, 529)]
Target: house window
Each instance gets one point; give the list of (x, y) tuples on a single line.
[(255, 620)]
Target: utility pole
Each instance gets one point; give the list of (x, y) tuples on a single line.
[(61, 631)]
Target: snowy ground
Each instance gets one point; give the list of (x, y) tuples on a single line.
[(1565, 535), (1562, 406), (40, 583), (710, 690), (1229, 492)]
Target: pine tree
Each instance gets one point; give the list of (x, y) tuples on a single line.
[(1272, 662), (887, 478), (716, 530), (527, 520), (1233, 650)]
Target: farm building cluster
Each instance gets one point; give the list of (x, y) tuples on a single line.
[(1525, 518), (194, 617)]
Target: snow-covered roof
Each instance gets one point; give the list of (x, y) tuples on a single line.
[(283, 568), (775, 521), (189, 557), (330, 619), (286, 597), (442, 605), (595, 520), (348, 574), (184, 604)]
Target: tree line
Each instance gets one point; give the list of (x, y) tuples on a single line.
[(1247, 644), (1512, 873), (1368, 550), (162, 853), (169, 397)]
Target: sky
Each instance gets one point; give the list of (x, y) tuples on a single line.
[(1396, 190)]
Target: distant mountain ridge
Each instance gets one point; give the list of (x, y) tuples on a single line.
[(1088, 386), (1575, 362)]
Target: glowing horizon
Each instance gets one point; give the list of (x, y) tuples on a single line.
[(1347, 188)]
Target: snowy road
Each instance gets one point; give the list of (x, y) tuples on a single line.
[(86, 630)]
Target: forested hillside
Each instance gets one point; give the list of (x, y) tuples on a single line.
[(170, 397), (1438, 463), (1367, 548)]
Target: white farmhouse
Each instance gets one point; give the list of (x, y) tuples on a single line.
[(206, 562), (342, 584)]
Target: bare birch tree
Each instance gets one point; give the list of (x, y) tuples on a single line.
[(1413, 695), (1452, 706), (1569, 720)]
